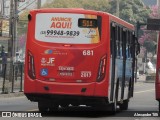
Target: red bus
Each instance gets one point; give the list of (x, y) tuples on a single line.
[(157, 83), (79, 57)]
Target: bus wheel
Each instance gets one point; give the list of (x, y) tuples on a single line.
[(124, 106), (54, 107), (114, 105), (42, 107), (64, 105)]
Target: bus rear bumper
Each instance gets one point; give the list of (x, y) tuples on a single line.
[(68, 99), (54, 88)]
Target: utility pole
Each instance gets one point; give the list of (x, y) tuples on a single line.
[(117, 8), (38, 4), (2, 7), (12, 35), (10, 42), (15, 46)]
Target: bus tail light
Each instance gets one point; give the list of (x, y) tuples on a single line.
[(31, 67), (102, 69)]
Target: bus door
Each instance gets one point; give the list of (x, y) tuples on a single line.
[(124, 37), (129, 61)]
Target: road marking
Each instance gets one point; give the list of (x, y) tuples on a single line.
[(33, 110), (139, 84), (144, 91)]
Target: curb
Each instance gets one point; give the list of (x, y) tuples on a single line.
[(10, 95)]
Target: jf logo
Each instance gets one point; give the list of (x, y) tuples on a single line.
[(47, 60)]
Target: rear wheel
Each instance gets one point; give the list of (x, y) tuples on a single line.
[(42, 107), (124, 105), (114, 105), (54, 107)]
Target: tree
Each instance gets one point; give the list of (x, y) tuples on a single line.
[(100, 5), (131, 10), (149, 38)]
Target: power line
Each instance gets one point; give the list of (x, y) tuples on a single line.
[(28, 5)]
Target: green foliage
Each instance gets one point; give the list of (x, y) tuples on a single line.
[(101, 5), (22, 23), (150, 46), (131, 10)]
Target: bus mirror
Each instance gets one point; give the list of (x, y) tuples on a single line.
[(155, 47), (29, 17)]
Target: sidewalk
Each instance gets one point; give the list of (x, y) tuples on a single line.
[(146, 78), (141, 78), (8, 92), (10, 95)]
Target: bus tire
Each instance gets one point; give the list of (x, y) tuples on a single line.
[(54, 107), (42, 107), (114, 105), (124, 105)]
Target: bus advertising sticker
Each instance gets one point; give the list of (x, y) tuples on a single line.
[(44, 72)]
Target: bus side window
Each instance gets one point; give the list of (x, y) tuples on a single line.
[(117, 43), (121, 30), (128, 55), (129, 48), (132, 48), (113, 38), (124, 37)]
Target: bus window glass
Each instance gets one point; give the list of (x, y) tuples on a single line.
[(67, 28)]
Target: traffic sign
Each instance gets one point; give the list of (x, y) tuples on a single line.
[(153, 24)]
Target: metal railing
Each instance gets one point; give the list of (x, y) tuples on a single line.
[(16, 83)]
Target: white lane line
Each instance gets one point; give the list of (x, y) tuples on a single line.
[(144, 91), (33, 110)]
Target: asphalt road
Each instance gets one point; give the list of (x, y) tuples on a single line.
[(143, 101)]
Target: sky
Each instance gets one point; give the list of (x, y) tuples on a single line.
[(22, 5)]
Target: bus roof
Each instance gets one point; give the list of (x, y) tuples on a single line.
[(122, 22), (84, 11)]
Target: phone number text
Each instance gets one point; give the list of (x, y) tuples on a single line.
[(60, 33)]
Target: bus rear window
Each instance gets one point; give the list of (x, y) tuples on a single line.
[(67, 28)]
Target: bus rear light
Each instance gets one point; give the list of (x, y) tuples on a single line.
[(67, 45), (79, 81), (52, 79), (102, 69), (31, 66)]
